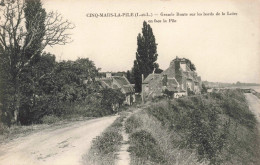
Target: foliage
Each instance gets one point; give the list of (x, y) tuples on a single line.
[(104, 147), (34, 89), (166, 151), (204, 89), (192, 66), (209, 125), (146, 56), (168, 94), (66, 88), (111, 97), (143, 145), (50, 86), (56, 84), (130, 76), (25, 30), (234, 109), (104, 102), (132, 123), (49, 119), (190, 92), (108, 142)]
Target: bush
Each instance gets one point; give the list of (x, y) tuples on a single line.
[(204, 89), (144, 146), (50, 119), (190, 92), (204, 123), (104, 102), (132, 123), (108, 142), (168, 94), (234, 104), (2, 128), (104, 147)]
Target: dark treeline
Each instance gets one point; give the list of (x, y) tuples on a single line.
[(222, 85), (32, 83), (55, 88)]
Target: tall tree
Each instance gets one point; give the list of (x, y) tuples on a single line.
[(25, 30), (146, 55)]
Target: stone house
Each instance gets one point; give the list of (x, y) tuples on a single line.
[(119, 82), (178, 78)]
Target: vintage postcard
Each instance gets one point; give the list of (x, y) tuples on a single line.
[(129, 82)]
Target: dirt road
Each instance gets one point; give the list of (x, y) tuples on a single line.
[(54, 146), (254, 105)]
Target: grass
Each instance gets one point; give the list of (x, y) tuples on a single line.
[(216, 128), (104, 147), (219, 127), (132, 123), (151, 143), (257, 94), (50, 119), (145, 147)]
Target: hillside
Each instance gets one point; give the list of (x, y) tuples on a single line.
[(215, 128)]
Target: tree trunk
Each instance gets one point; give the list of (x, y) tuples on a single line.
[(16, 101)]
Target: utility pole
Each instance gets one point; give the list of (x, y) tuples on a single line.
[(142, 92)]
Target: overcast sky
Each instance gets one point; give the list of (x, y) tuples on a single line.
[(223, 48)]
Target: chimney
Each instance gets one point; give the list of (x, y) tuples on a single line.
[(108, 75)]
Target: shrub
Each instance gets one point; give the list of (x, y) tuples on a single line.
[(204, 123), (50, 119), (206, 134), (144, 146), (168, 94), (235, 106), (190, 92), (204, 89), (132, 123), (108, 142), (104, 147), (2, 128)]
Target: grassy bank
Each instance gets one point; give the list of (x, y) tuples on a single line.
[(104, 147), (216, 128), (257, 94), (151, 142)]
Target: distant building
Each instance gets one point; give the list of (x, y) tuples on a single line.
[(104, 74), (119, 82), (178, 78)]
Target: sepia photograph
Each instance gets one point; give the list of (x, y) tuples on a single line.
[(128, 82)]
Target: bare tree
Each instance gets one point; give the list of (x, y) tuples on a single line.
[(18, 37), (13, 32)]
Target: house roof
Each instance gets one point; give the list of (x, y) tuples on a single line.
[(121, 80), (196, 79), (170, 72), (188, 75), (116, 82), (114, 86), (172, 81), (128, 88), (107, 81), (172, 84), (151, 77)]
